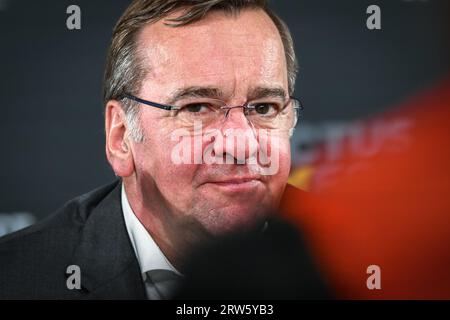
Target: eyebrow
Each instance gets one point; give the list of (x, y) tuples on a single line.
[(267, 92), (195, 92), (216, 93)]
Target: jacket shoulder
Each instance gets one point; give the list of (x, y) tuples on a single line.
[(39, 255), (72, 215)]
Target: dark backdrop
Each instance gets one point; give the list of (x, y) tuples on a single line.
[(51, 122)]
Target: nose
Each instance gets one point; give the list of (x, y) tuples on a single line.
[(240, 143)]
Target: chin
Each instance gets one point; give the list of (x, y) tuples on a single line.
[(233, 219)]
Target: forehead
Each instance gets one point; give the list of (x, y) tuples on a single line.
[(220, 50)]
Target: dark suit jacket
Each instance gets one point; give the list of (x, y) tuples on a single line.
[(90, 232)]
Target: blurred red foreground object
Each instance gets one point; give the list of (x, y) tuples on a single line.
[(390, 209)]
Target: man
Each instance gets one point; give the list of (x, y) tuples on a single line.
[(198, 115)]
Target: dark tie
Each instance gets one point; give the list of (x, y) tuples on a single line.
[(162, 284)]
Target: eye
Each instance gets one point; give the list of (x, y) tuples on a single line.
[(196, 108), (267, 109)]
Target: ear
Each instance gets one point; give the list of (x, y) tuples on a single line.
[(118, 144)]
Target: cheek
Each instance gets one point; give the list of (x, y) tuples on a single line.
[(277, 182), (285, 153), (284, 160), (275, 155), (154, 159)]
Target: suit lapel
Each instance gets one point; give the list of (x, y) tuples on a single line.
[(109, 268)]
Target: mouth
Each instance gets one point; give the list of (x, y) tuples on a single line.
[(237, 184)]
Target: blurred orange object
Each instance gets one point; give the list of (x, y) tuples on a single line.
[(389, 208)]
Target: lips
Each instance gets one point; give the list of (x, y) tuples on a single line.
[(235, 184), (236, 180)]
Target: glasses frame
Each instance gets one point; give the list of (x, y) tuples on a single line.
[(167, 107)]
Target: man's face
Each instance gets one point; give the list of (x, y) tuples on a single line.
[(235, 56)]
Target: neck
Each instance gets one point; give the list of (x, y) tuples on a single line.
[(174, 234)]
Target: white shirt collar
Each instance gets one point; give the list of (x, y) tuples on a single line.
[(149, 255)]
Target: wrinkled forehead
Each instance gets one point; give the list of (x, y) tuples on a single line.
[(220, 50)]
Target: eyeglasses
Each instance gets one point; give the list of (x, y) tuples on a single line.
[(268, 113)]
